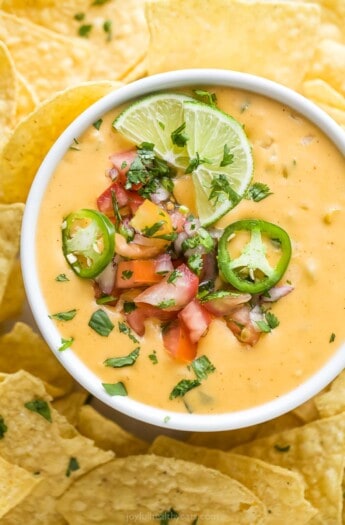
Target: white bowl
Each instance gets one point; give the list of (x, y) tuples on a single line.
[(130, 407)]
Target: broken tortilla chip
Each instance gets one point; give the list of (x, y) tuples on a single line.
[(10, 226), (15, 484), (14, 296)]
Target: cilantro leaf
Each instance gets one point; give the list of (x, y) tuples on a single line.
[(126, 274), (41, 407), (228, 157), (119, 362), (206, 96), (153, 357), (3, 427), (85, 30), (100, 323), (65, 343), (258, 191), (115, 389), (62, 277), (221, 190), (129, 306), (149, 231), (73, 465), (332, 337), (166, 304), (107, 28), (98, 123), (166, 516), (195, 263), (183, 386), (124, 329), (202, 367), (64, 316), (175, 274), (178, 137)]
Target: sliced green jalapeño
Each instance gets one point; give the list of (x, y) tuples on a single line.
[(251, 272), (88, 242)]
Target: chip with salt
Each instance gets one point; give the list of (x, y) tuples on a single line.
[(321, 92), (22, 348), (10, 225), (332, 402), (27, 99), (145, 488), (329, 64), (257, 37), (70, 405), (14, 296), (8, 99), (316, 451), (115, 31), (281, 490), (107, 434), (42, 442), (34, 136)]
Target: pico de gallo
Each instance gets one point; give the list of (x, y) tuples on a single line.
[(148, 256)]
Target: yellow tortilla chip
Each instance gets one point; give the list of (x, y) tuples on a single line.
[(41, 441), (70, 405), (14, 295), (49, 61), (307, 412), (329, 64), (27, 99), (10, 225), (139, 71), (15, 484), (280, 490), (23, 349), (107, 434), (337, 114), (35, 135), (256, 37), (118, 36), (141, 488), (8, 86), (229, 439), (316, 451), (321, 92), (332, 402)]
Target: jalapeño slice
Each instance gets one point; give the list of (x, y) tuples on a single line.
[(251, 272), (88, 242)]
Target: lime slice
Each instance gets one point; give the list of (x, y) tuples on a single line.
[(215, 139), (153, 119)]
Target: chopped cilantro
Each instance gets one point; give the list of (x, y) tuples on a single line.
[(201, 238), (195, 263), (153, 357), (115, 389), (195, 521), (41, 407), (99, 2), (175, 274), (73, 465), (161, 125), (166, 419), (244, 106), (85, 30), (258, 191), (64, 316), (124, 329), (62, 277), (79, 16), (206, 96), (119, 362), (98, 123), (178, 137), (183, 386), (106, 299), (167, 304), (166, 516), (221, 190), (3, 427), (107, 28), (227, 156), (126, 274), (195, 163), (332, 338), (149, 231), (282, 448), (65, 343), (100, 323), (202, 367), (272, 320), (129, 306)]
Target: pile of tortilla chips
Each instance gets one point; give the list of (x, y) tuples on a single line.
[(61, 461)]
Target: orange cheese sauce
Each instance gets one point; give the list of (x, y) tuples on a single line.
[(306, 175)]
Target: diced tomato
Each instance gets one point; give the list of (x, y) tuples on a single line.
[(242, 327), (133, 250), (196, 319), (174, 292), (136, 319), (104, 201), (178, 343), (134, 201), (122, 162), (137, 273)]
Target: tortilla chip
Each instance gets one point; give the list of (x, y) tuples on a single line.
[(321, 92), (15, 484), (316, 451), (307, 412), (8, 86), (140, 488), (113, 53), (332, 402), (10, 225), (329, 64), (229, 439), (23, 349), (281, 490), (44, 444), (234, 35), (35, 135), (14, 295), (69, 406), (337, 114), (107, 434), (49, 61), (139, 71), (27, 99)]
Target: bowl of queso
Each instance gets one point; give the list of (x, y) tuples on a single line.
[(182, 250)]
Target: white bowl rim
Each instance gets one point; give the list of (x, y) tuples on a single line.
[(81, 373)]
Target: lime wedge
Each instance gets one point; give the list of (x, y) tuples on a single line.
[(220, 157), (153, 119)]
